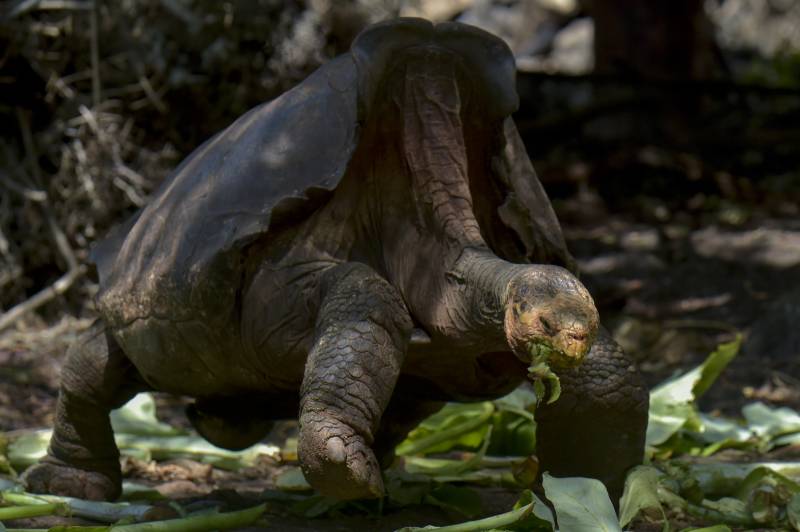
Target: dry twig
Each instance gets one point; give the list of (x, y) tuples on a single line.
[(56, 289)]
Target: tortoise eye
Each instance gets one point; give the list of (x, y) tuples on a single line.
[(548, 327)]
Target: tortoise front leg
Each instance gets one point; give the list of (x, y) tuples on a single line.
[(362, 333), (597, 427)]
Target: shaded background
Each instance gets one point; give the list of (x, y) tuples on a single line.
[(666, 133)]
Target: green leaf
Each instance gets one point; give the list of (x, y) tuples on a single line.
[(793, 511), (768, 422), (105, 512), (641, 493), (541, 516), (718, 429), (666, 419), (540, 373), (195, 447), (520, 516), (463, 500), (764, 475), (404, 489), (292, 479), (139, 433), (714, 364), (455, 425), (672, 404), (730, 507), (315, 506), (32, 510), (512, 435), (138, 416), (581, 504), (717, 479), (715, 528), (434, 467), (198, 523), (132, 491), (29, 448), (521, 399)]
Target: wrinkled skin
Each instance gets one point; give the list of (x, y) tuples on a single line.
[(362, 318)]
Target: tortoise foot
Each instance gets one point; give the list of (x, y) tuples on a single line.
[(340, 464), (57, 478)]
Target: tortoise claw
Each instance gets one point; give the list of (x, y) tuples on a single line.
[(55, 477)]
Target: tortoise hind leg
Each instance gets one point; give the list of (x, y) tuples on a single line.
[(83, 460)]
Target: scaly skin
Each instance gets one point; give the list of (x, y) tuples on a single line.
[(597, 427), (83, 460), (362, 334)]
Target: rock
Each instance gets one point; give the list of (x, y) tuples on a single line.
[(777, 248), (572, 51), (766, 26)]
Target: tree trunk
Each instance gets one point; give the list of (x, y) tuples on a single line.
[(660, 40)]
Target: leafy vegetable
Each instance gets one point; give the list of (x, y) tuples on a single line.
[(198, 523), (540, 373), (28, 505), (641, 493), (455, 425), (138, 433), (532, 514), (32, 510), (28, 448), (105, 512), (767, 422), (138, 416), (292, 479), (672, 404), (581, 504)]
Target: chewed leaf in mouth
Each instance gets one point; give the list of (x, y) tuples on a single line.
[(539, 372)]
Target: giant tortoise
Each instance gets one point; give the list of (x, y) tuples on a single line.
[(354, 253)]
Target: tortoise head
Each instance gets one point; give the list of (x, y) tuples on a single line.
[(550, 314)]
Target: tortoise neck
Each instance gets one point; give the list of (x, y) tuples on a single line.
[(422, 210), (435, 152)]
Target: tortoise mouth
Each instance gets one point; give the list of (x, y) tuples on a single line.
[(541, 350), (536, 336)]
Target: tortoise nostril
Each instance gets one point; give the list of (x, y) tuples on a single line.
[(577, 336)]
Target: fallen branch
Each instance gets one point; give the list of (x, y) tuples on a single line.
[(31, 194), (45, 5), (40, 298)]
